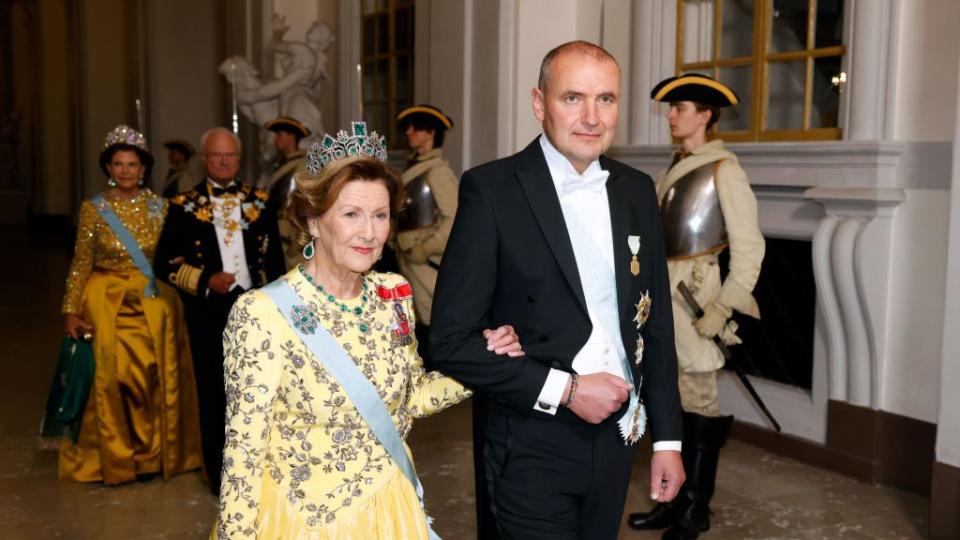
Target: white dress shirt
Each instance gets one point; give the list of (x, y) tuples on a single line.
[(232, 253), (583, 197)]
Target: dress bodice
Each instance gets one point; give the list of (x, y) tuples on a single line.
[(98, 248)]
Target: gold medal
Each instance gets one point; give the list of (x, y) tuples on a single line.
[(633, 242)]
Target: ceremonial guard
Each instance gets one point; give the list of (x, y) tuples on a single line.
[(219, 241), (706, 206), (287, 133), (179, 177), (424, 226)]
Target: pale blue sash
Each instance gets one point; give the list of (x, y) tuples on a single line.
[(131, 245), (358, 388)]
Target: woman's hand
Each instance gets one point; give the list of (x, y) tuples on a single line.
[(504, 340), (76, 327)]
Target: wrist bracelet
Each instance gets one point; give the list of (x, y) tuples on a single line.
[(573, 389)]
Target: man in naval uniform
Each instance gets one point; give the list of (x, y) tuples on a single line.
[(706, 205), (219, 240), (564, 244), (179, 177), (424, 226), (287, 133)]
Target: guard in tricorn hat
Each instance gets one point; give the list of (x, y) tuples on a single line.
[(179, 177), (706, 206), (287, 134), (424, 225)]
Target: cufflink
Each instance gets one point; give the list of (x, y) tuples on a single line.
[(543, 406)]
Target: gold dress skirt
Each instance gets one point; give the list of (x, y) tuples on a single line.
[(141, 416)]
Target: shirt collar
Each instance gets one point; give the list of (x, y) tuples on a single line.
[(560, 167)]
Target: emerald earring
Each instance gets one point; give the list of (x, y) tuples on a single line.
[(308, 251)]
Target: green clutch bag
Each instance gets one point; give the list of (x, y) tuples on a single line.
[(69, 391)]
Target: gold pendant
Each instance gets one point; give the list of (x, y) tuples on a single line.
[(635, 266)]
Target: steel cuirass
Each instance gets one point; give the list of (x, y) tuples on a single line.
[(280, 191), (691, 216), (420, 208)]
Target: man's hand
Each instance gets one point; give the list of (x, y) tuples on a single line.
[(503, 340), (598, 395), (666, 475), (220, 282)]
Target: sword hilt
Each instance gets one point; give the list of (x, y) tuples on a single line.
[(698, 312)]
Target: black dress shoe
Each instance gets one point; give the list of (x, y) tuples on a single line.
[(660, 517), (688, 527)]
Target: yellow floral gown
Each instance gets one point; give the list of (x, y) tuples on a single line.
[(299, 461), (141, 416)]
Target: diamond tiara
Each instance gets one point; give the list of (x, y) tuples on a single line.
[(126, 135), (357, 143)]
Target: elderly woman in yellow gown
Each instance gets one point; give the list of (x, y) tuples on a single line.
[(141, 415), (300, 459)]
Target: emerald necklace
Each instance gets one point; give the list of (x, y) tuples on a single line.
[(358, 311)]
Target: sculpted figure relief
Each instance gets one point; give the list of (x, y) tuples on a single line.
[(295, 93)]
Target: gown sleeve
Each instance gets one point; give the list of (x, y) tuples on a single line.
[(252, 373), (429, 392), (83, 257)]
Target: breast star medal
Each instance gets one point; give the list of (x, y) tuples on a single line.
[(633, 242), (643, 312)]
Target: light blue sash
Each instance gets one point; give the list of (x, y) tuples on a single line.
[(358, 388), (133, 249)]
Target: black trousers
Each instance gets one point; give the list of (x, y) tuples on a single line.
[(206, 320), (555, 478)]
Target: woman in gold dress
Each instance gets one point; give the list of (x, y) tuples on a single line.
[(141, 416), (301, 459)]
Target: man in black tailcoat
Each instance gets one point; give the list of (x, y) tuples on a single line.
[(218, 241), (564, 244)]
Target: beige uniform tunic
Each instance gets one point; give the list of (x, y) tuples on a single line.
[(697, 355), (419, 251)]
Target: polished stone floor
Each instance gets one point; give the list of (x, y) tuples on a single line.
[(760, 495)]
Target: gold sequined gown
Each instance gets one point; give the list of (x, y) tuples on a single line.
[(141, 416)]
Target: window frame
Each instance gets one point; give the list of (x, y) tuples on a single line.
[(759, 62), (391, 101)]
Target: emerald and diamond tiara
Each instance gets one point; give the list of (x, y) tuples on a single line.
[(357, 143)]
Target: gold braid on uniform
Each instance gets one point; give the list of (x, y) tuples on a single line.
[(186, 278)]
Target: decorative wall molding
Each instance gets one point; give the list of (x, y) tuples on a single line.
[(851, 251), (866, 163)]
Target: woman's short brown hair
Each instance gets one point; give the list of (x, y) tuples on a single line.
[(316, 194)]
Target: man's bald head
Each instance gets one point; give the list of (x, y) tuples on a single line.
[(584, 48)]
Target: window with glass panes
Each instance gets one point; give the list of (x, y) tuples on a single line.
[(386, 60), (782, 57)]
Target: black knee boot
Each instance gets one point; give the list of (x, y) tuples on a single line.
[(703, 437)]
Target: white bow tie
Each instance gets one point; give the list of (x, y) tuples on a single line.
[(589, 181)]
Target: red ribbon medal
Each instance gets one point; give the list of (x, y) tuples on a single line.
[(401, 323)]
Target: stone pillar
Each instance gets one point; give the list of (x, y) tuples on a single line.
[(945, 492)]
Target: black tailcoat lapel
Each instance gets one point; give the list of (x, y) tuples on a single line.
[(537, 184)]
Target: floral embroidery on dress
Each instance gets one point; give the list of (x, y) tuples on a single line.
[(291, 423)]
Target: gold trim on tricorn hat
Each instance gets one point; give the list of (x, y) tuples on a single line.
[(694, 87), (285, 123), (428, 110)]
